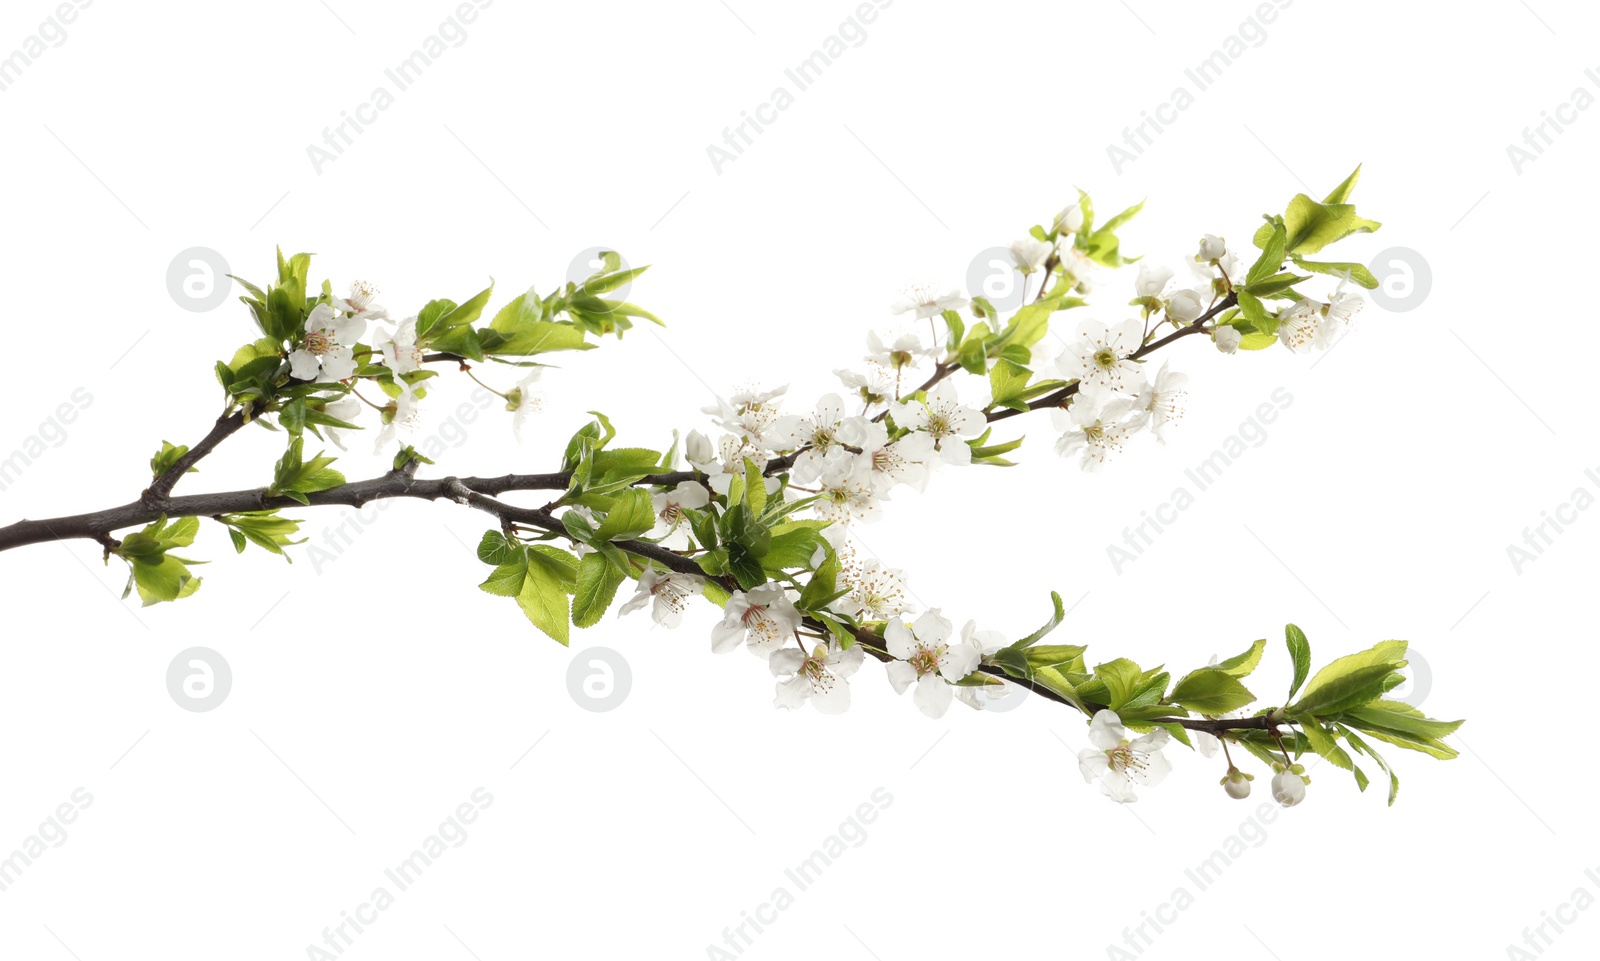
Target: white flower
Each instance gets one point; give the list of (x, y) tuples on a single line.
[(816, 435), (324, 355), (818, 677), (763, 619), (521, 403), (1070, 219), (400, 415), (728, 463), (1120, 763), (1227, 339), (943, 417), (924, 655), (1030, 254), (360, 302), (1235, 782), (670, 505), (399, 351), (848, 489), (1229, 265), (697, 449), (876, 592), (346, 408), (1099, 357), (748, 412), (668, 594), (987, 643), (1289, 787), (1151, 281), (906, 351), (1098, 429), (875, 386), (1185, 306), (928, 301), (904, 461), (1164, 400), (1212, 248), (1076, 263)]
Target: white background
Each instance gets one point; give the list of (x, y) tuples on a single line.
[(372, 696)]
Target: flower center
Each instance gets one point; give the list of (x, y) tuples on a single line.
[(926, 660), (1105, 358), (318, 342), (1124, 758)]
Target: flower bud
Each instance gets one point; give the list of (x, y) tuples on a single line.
[(1237, 783), (1289, 787), (1227, 339), (697, 448), (1212, 248), (1070, 219), (1185, 307)]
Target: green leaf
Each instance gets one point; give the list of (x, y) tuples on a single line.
[(1050, 625), (598, 580), (1364, 748), (1357, 272), (544, 600), (755, 487), (1312, 226), (1241, 665), (1341, 193), (1325, 745), (494, 548), (630, 516), (1300, 653), (1271, 257), (1121, 678), (1007, 383), (1351, 681), (167, 456), (1211, 691), (823, 584), (461, 315), (506, 579)]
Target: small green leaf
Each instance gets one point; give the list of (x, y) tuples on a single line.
[(1211, 691), (1300, 653)]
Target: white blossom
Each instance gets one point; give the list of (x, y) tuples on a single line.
[(1164, 400), (521, 403), (849, 491), (1030, 254), (928, 301), (1070, 219), (1185, 306), (814, 436), (904, 461), (925, 655), (324, 354), (874, 387), (670, 505), (907, 350), (762, 619), (1119, 763), (667, 593), (398, 350), (1212, 248), (347, 408), (1099, 357), (945, 419), (1095, 427), (1227, 339), (1289, 787), (359, 303), (875, 592), (820, 677), (401, 416)]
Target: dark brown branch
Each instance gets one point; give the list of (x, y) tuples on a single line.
[(156, 494)]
